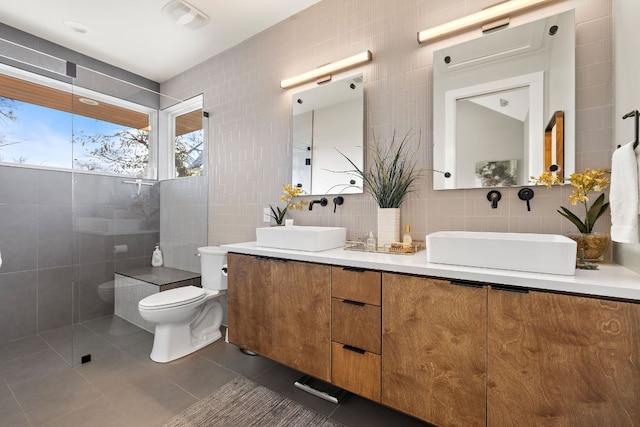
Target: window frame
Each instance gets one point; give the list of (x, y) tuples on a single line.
[(168, 121), (151, 171)]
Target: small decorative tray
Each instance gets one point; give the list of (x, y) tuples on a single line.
[(393, 248)]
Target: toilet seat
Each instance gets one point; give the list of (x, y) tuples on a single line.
[(173, 298)]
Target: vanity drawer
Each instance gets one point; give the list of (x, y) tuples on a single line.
[(356, 370), (357, 325), (356, 285)]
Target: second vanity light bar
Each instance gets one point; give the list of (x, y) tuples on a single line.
[(487, 15)]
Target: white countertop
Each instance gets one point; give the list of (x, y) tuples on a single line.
[(610, 280)]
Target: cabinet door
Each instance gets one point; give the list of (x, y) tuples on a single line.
[(302, 316), (434, 349), (562, 360), (250, 302)]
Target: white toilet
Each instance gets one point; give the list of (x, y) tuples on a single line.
[(188, 318)]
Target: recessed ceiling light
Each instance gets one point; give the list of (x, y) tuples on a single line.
[(88, 101), (77, 27)]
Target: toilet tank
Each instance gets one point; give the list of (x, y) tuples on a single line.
[(212, 262)]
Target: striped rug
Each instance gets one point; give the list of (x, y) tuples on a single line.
[(243, 403)]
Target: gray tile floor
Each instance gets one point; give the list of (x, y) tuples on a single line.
[(121, 386)]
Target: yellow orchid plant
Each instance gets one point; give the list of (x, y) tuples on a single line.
[(289, 193), (590, 180)]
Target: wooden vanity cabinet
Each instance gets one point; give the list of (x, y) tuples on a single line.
[(355, 331), (281, 309), (445, 352), (250, 307), (434, 349), (564, 360)]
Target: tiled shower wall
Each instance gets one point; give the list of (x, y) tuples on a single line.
[(58, 234), (250, 116), (36, 243), (183, 221)]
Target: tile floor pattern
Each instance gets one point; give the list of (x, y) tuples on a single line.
[(121, 386)]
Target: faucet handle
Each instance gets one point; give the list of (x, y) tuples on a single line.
[(526, 194), (338, 200)]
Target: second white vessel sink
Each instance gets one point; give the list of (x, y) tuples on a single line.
[(538, 253), (301, 238)]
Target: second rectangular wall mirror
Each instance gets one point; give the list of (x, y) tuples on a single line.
[(493, 98), (328, 120)]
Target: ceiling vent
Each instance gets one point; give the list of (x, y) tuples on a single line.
[(185, 14)]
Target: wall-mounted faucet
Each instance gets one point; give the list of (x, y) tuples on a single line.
[(323, 202), (526, 194), (337, 201), (494, 197)]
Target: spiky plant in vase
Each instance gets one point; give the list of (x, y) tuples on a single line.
[(389, 179)]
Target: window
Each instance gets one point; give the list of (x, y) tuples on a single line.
[(187, 137), (51, 124)]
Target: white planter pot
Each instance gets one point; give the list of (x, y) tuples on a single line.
[(388, 226)]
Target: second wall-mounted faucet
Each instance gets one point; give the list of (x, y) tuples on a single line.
[(525, 194), (337, 201)]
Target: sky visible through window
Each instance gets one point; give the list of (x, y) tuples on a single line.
[(43, 137)]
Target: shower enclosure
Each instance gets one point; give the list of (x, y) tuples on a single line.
[(75, 207)]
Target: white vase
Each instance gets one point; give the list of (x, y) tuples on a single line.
[(388, 226)]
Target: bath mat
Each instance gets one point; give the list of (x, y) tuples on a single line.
[(243, 403)]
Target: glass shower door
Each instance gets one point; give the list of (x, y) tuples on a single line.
[(116, 204)]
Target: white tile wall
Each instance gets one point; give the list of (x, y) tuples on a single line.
[(250, 115)]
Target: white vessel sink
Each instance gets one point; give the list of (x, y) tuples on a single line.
[(301, 238), (538, 253)]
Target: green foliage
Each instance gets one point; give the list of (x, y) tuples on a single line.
[(278, 214), (392, 174), (593, 213)]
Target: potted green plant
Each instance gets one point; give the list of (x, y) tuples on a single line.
[(389, 178), (590, 180)]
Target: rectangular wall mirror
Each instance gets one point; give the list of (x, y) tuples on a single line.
[(493, 97), (328, 120)]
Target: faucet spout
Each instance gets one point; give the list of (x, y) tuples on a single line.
[(323, 202), (494, 197)]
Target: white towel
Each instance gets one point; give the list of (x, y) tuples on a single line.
[(623, 196)]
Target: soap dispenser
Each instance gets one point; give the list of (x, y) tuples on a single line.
[(156, 258), (406, 239), (371, 242)]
